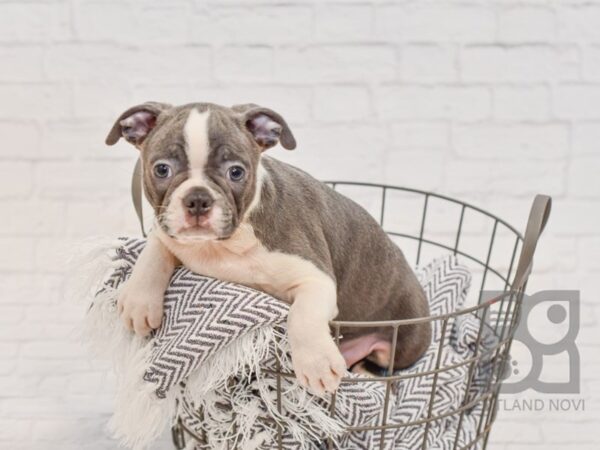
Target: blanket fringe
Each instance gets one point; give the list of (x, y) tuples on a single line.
[(140, 416), (303, 416)]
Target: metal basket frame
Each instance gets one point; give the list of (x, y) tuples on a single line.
[(501, 313)]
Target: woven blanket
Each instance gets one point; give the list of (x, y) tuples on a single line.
[(210, 366)]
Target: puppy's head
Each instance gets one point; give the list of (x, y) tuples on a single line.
[(201, 162)]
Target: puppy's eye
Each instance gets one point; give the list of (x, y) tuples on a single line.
[(236, 173), (162, 170)]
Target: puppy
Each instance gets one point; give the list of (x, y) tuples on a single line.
[(224, 210)]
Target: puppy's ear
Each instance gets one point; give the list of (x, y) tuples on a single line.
[(267, 126), (135, 123)]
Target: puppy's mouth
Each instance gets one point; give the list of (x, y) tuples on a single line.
[(197, 223), (196, 228), (202, 228)]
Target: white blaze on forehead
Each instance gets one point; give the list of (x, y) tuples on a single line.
[(195, 133)]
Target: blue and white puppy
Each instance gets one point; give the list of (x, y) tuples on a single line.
[(225, 210)]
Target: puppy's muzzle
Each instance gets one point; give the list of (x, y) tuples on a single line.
[(198, 202)]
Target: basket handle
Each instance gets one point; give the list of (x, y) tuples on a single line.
[(538, 217), (136, 193)]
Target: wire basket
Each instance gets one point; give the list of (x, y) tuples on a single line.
[(426, 225)]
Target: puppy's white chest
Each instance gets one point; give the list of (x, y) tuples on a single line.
[(224, 265), (243, 259)]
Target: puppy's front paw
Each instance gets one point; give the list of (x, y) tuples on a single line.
[(319, 366), (140, 309)]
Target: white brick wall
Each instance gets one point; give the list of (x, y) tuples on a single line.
[(491, 101)]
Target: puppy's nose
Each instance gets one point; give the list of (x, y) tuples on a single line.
[(198, 202)]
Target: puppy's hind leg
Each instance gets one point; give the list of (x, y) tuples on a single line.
[(413, 341)]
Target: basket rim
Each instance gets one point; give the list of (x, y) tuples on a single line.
[(430, 194), (417, 320)]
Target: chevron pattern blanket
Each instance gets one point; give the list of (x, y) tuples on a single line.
[(210, 366)]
